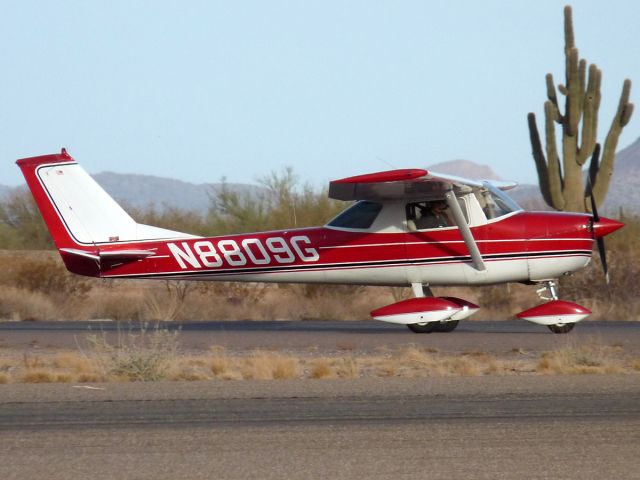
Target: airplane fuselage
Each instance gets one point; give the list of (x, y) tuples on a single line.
[(520, 247)]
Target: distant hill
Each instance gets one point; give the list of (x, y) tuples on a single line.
[(624, 190), (144, 191), (465, 168)]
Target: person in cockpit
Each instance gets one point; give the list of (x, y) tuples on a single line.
[(432, 215)]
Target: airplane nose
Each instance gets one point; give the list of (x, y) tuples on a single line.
[(605, 226)]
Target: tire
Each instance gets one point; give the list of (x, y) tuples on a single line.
[(561, 328), (446, 327), (423, 327)]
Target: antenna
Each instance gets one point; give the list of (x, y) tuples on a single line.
[(389, 164)]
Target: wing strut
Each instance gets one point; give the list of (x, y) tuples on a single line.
[(469, 241)]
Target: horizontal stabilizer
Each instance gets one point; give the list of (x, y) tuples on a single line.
[(81, 253), (124, 255)]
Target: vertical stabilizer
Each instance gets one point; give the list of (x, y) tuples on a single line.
[(77, 211)]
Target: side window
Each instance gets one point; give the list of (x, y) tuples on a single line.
[(361, 216), (434, 214)]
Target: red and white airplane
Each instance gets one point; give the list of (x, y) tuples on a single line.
[(406, 228)]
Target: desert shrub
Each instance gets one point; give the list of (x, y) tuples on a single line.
[(167, 300), (141, 356), (496, 297), (118, 303), (20, 304), (283, 203), (49, 277), (21, 225)]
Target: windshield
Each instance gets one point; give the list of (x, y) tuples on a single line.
[(495, 203), (360, 215)]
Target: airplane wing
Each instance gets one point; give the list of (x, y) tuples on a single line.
[(405, 184)]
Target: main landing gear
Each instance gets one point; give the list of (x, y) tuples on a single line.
[(426, 313)]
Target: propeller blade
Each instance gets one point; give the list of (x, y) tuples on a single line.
[(594, 166), (594, 210), (603, 258)]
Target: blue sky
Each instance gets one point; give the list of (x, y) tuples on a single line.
[(200, 90)]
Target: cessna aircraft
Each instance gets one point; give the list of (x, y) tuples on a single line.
[(407, 227)]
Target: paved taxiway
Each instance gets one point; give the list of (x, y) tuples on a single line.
[(498, 337), (484, 427)]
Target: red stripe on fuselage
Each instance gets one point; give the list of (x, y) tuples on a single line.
[(523, 233)]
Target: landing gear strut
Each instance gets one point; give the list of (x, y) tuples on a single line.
[(551, 288)]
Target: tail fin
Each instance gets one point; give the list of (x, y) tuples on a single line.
[(79, 214)]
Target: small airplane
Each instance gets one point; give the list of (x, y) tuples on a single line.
[(407, 227)]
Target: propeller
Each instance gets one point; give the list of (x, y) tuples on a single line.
[(593, 171)]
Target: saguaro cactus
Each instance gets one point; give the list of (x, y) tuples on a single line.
[(562, 183)]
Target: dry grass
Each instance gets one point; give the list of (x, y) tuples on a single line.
[(261, 365), (585, 359), (321, 369), (153, 356)]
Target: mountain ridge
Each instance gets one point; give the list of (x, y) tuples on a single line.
[(146, 191)]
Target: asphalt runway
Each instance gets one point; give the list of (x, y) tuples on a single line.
[(472, 428), (497, 337)]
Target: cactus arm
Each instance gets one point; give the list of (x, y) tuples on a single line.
[(573, 95), (553, 97), (590, 115), (582, 74), (569, 38), (620, 120), (554, 174)]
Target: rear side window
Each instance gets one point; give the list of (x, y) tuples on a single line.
[(361, 215)]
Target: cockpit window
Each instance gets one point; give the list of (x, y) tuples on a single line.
[(360, 215), (495, 203)]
